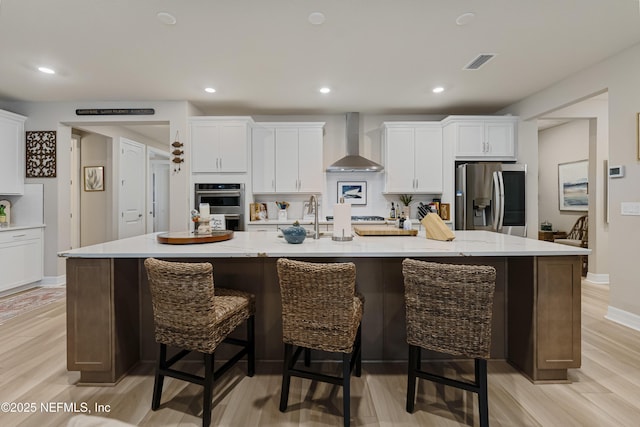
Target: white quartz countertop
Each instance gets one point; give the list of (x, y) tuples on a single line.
[(268, 244)]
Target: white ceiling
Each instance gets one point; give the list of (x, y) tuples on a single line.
[(264, 57)]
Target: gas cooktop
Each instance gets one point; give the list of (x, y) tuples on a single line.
[(361, 218)]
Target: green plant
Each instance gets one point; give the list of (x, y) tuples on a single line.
[(406, 199)]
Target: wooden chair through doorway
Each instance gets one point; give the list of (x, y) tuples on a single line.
[(579, 237)]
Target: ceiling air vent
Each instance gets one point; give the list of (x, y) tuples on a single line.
[(479, 61)]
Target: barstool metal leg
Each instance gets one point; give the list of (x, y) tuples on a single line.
[(411, 377), (483, 398), (159, 380), (208, 390), (307, 357), (251, 338), (286, 377), (358, 349), (346, 388)]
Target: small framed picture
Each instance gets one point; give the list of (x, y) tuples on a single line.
[(354, 192), (93, 178), (445, 211)]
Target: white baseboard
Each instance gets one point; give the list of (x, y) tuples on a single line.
[(624, 318), (597, 279), (19, 289), (53, 280)]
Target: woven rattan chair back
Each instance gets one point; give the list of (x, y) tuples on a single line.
[(183, 310), (449, 307), (319, 310)]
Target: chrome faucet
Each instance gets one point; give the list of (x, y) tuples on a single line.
[(313, 201)]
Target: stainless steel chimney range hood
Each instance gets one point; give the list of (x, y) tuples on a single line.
[(353, 161)]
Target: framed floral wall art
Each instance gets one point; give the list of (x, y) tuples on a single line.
[(93, 178)]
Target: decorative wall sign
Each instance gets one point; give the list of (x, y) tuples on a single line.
[(573, 186), (93, 178), (115, 112), (354, 193), (41, 154)]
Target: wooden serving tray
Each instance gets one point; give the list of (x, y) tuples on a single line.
[(188, 238), (382, 230)]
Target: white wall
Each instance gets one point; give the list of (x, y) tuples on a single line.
[(560, 144), (620, 76), (95, 206)]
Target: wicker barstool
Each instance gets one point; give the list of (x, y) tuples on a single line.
[(449, 310), (320, 311), (189, 314)]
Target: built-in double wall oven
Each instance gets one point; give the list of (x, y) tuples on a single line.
[(227, 199)]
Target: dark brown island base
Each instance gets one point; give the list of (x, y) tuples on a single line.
[(536, 320)]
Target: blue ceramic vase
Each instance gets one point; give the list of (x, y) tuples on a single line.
[(295, 233)]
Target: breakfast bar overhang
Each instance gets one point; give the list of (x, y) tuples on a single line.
[(537, 309)]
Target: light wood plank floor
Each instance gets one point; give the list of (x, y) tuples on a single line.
[(604, 392)]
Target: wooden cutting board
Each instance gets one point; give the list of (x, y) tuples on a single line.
[(382, 230)]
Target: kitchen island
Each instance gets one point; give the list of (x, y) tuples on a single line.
[(536, 322)]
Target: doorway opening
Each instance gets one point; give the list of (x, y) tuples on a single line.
[(98, 216)]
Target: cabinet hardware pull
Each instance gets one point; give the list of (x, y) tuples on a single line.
[(18, 235)]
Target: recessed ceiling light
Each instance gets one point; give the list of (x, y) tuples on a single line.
[(209, 90), (437, 89), (46, 70), (325, 90), (316, 18), (166, 18), (465, 18)]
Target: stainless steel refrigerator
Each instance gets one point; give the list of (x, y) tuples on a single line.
[(491, 196)]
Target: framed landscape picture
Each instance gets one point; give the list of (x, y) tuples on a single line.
[(573, 186), (354, 192)]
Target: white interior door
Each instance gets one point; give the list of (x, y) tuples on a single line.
[(157, 209), (132, 189)]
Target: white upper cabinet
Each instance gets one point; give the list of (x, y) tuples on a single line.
[(413, 157), (482, 137), (287, 158), (219, 144), (263, 159), (12, 159)]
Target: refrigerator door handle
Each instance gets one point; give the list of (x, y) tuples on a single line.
[(498, 198), (502, 201)]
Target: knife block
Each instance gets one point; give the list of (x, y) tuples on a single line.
[(436, 229)]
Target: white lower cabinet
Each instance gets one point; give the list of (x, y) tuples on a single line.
[(21, 257)]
